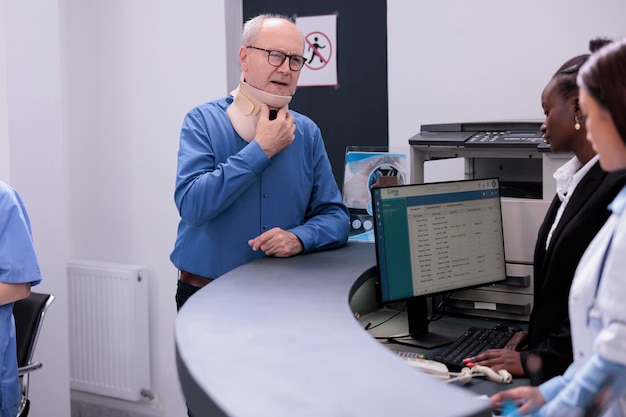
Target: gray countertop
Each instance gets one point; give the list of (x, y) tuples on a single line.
[(277, 337)]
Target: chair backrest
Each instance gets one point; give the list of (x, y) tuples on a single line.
[(29, 314)]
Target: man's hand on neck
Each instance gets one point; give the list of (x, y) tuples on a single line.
[(275, 135)]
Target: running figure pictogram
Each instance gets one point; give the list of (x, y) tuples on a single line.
[(313, 48)]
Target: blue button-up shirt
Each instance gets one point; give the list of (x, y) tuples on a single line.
[(228, 191)]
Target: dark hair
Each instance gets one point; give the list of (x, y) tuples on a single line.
[(604, 78), (566, 75)]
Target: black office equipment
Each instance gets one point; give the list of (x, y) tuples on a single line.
[(435, 238), (472, 342), (506, 138), (510, 150), (517, 134)]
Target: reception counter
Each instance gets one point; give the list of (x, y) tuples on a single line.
[(277, 337)]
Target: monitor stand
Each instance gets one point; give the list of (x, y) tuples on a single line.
[(417, 312)]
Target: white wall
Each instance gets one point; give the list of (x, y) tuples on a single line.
[(94, 93), (4, 122), (34, 140), (479, 60), (132, 70)]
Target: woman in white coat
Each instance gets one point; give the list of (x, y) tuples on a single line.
[(595, 384)]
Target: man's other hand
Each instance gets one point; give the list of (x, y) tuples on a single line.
[(277, 242)]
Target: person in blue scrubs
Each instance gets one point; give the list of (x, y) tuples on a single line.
[(253, 177), (595, 384), (19, 270)]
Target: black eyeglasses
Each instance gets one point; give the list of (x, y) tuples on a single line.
[(276, 59)]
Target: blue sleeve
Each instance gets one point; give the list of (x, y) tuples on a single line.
[(18, 261), (551, 388), (586, 386), (327, 222), (208, 182)]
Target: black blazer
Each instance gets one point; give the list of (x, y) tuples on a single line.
[(549, 337)]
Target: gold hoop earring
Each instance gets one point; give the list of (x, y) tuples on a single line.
[(577, 124)]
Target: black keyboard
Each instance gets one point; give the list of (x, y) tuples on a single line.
[(474, 341)]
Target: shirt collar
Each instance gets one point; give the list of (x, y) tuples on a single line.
[(570, 174)]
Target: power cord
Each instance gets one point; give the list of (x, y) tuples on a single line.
[(437, 313), (369, 325)]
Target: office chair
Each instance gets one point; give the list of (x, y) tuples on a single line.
[(29, 314)]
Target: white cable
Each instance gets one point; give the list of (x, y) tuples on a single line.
[(465, 376)]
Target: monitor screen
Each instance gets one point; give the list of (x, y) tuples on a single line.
[(437, 237)]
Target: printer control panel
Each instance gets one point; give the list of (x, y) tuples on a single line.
[(505, 138)]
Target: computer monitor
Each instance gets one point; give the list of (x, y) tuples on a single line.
[(435, 238)]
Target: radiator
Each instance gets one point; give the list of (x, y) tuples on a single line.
[(109, 329)]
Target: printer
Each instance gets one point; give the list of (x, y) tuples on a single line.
[(515, 152)]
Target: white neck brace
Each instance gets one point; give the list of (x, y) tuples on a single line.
[(244, 112)]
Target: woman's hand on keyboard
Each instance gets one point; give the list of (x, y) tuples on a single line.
[(518, 342), (498, 359)]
